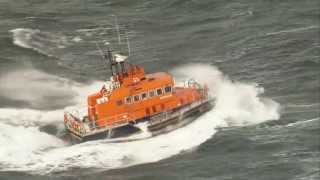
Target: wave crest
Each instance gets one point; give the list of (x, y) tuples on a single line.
[(237, 104)]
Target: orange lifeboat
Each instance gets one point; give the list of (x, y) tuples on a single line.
[(131, 97)]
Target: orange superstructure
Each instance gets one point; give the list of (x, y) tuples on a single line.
[(138, 97), (131, 96)]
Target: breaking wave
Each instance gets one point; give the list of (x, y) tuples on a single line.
[(237, 102), (37, 88), (30, 149), (59, 44), (292, 30), (43, 42)]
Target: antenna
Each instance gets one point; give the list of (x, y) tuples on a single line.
[(117, 62), (105, 56), (118, 31), (100, 51), (128, 44)]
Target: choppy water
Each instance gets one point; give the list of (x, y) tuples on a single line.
[(260, 59)]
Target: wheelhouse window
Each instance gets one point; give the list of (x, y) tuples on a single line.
[(159, 91), (143, 96), (167, 89), (151, 93), (128, 99), (136, 98)]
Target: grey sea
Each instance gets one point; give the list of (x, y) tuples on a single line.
[(260, 59)]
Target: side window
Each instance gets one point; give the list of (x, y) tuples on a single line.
[(128, 99), (119, 102), (151, 93), (159, 91), (136, 98), (167, 89), (143, 96)]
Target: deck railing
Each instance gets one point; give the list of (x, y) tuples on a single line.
[(83, 127)]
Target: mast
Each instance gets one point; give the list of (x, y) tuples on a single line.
[(103, 55), (112, 63), (128, 44), (119, 59), (116, 62), (118, 32)]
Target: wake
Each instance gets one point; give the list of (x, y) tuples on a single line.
[(26, 148)]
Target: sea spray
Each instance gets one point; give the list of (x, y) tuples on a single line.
[(237, 103), (37, 89)]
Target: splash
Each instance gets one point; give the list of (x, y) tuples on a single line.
[(237, 103), (19, 145), (293, 30), (37, 88), (44, 91)]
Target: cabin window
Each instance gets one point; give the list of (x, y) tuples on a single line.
[(167, 89), (128, 100), (143, 96), (136, 98), (159, 92), (119, 102), (151, 93)]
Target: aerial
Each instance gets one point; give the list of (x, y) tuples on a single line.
[(172, 89)]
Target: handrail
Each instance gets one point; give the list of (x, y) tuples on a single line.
[(115, 119), (79, 126)]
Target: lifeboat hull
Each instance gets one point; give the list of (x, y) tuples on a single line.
[(158, 124), (179, 118)]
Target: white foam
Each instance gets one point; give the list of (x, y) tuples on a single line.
[(43, 42), (40, 89), (21, 36), (303, 122), (293, 30), (35, 87), (237, 104), (29, 117), (104, 155), (20, 145), (77, 39)]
